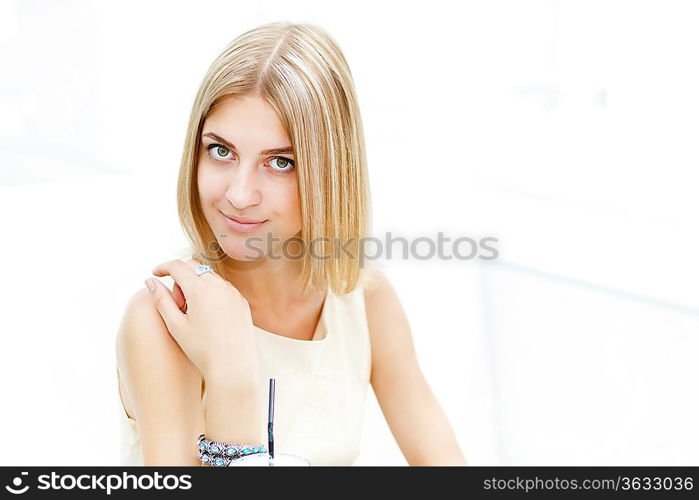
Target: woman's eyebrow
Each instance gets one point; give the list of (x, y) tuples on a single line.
[(275, 151)]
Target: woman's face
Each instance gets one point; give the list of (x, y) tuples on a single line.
[(238, 176)]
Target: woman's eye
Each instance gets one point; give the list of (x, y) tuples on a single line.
[(283, 164), (219, 152), (216, 149)]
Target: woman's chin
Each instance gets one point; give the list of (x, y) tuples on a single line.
[(243, 252)]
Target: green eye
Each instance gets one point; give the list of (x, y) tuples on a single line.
[(220, 150), (284, 164), (220, 153)]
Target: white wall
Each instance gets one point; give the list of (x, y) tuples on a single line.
[(565, 129)]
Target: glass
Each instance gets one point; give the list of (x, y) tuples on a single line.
[(263, 460)]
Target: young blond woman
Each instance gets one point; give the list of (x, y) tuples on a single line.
[(275, 141)]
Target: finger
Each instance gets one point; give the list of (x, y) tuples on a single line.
[(183, 275), (194, 264), (165, 304), (213, 277), (179, 298)]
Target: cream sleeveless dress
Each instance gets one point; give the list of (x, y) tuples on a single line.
[(320, 387)]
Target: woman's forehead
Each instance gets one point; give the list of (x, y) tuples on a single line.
[(246, 120)]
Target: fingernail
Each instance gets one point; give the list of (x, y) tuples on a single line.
[(150, 285)]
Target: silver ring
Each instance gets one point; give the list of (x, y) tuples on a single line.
[(204, 269)]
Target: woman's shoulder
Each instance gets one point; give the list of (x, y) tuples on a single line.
[(381, 299), (148, 357), (141, 322), (373, 281), (141, 302), (387, 323)]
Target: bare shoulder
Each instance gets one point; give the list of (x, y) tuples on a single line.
[(374, 282), (141, 326), (385, 315), (162, 386), (379, 292), (143, 341), (392, 350)]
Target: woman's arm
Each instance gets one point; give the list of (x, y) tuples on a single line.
[(164, 390), (414, 416), (163, 387)]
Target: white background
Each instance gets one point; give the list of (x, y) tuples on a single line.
[(566, 129)]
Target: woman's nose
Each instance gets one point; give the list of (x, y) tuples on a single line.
[(244, 189)]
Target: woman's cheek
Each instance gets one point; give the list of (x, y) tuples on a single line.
[(207, 185)]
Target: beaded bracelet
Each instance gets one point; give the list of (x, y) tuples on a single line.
[(220, 454)]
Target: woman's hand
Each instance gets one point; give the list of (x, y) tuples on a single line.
[(209, 319)]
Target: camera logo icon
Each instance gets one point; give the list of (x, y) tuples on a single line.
[(17, 482)]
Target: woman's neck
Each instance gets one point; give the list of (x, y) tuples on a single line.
[(269, 285)]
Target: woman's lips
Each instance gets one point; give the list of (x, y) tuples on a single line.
[(242, 227)]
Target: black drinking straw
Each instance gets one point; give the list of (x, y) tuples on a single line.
[(270, 421)]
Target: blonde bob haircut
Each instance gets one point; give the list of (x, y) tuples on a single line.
[(301, 71)]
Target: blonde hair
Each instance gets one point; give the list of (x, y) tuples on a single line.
[(301, 71)]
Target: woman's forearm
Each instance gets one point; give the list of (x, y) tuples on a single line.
[(232, 410)]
